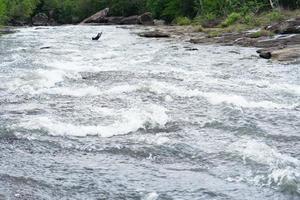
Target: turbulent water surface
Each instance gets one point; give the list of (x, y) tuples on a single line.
[(133, 118)]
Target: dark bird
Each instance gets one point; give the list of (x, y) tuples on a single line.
[(97, 37)]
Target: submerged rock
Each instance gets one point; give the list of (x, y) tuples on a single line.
[(154, 34)]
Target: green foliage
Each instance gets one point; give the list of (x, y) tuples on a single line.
[(3, 13), (202, 19), (72, 11), (275, 16), (231, 19), (183, 21), (260, 33)]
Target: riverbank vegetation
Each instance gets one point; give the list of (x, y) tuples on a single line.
[(209, 13)]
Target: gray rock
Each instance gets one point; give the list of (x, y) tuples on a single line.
[(291, 26), (154, 34), (114, 20), (130, 20), (146, 19), (281, 54), (40, 19), (99, 17), (159, 22)]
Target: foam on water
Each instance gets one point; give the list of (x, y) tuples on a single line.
[(77, 92), (151, 196), (283, 170), (213, 98), (156, 97), (131, 120)]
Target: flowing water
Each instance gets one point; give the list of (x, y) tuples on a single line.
[(134, 118)]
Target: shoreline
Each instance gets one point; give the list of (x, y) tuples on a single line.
[(280, 47)]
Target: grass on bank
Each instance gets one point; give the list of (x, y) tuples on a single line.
[(237, 22)]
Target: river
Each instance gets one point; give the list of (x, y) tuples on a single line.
[(127, 117)]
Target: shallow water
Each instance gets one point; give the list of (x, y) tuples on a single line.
[(133, 118)]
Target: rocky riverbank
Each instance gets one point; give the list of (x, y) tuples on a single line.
[(6, 30), (280, 41)]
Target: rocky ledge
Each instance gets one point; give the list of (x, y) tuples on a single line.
[(282, 45), (102, 17), (6, 30)]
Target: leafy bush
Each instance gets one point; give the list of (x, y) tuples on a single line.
[(2, 12), (183, 21), (260, 33), (275, 16), (204, 19), (231, 19)]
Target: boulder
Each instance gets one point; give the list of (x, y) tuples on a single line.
[(130, 20), (114, 20), (6, 31), (278, 41), (154, 34), (40, 19), (146, 19), (266, 54), (281, 54), (99, 17), (159, 22), (291, 26), (16, 22)]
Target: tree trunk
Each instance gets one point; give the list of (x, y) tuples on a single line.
[(272, 4)]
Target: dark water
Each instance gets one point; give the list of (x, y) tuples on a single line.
[(134, 118)]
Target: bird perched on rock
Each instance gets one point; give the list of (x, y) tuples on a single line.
[(97, 37)]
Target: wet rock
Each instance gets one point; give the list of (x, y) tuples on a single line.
[(16, 22), (130, 20), (191, 49), (6, 31), (287, 54), (146, 19), (52, 22), (114, 20), (40, 19), (99, 17), (278, 41), (281, 54), (291, 26), (45, 47), (159, 22), (154, 34), (265, 54)]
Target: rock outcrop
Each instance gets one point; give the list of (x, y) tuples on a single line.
[(40, 19), (154, 34), (146, 19), (6, 30), (159, 22), (291, 26), (99, 17), (130, 20), (102, 17), (281, 54)]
